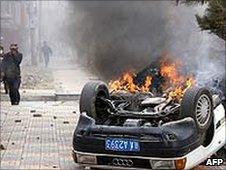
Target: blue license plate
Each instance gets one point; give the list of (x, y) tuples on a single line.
[(116, 144)]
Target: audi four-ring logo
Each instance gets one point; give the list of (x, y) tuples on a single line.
[(122, 162)]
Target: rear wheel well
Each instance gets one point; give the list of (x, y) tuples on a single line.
[(209, 135)]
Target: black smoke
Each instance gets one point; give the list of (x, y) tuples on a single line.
[(112, 37)]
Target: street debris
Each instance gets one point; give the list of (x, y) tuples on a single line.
[(36, 78), (37, 115), (2, 147), (28, 134)]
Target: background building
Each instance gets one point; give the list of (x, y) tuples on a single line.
[(20, 24)]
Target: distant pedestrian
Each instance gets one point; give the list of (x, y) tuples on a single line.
[(11, 70), (47, 52)]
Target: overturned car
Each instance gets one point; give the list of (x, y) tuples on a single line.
[(140, 130)]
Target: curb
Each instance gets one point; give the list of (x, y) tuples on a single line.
[(66, 97), (48, 97)]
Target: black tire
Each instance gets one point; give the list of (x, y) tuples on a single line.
[(89, 98), (192, 106)]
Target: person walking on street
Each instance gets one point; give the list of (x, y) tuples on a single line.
[(11, 70), (47, 52)]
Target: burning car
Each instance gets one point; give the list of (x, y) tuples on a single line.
[(131, 125)]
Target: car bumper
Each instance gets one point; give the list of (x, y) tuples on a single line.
[(111, 161)]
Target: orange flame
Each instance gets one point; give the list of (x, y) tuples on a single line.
[(146, 86), (177, 82), (126, 83)]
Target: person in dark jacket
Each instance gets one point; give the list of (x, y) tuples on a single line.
[(47, 52), (11, 70), (6, 88)]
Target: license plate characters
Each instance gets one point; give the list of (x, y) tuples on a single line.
[(122, 145)]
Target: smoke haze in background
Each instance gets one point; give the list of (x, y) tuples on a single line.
[(202, 53), (54, 18), (112, 37)]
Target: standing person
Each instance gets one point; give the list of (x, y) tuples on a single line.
[(2, 74), (47, 52), (11, 70)]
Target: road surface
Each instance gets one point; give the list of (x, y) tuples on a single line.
[(38, 135), (69, 76)]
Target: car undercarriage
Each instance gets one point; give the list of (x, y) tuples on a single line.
[(137, 123), (144, 109)]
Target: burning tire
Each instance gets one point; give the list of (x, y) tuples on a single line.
[(90, 100), (197, 103)]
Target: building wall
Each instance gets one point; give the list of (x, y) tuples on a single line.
[(10, 23), (19, 25)]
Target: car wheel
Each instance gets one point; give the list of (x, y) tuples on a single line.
[(90, 100), (197, 103)]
